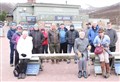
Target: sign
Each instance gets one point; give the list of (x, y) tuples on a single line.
[(31, 19), (63, 18)]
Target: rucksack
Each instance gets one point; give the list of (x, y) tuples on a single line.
[(16, 70)]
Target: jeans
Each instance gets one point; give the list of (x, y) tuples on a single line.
[(69, 50), (45, 48), (16, 57), (11, 52), (82, 64), (23, 65)]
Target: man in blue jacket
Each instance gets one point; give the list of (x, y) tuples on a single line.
[(93, 32), (10, 33)]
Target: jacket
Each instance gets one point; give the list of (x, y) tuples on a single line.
[(25, 46), (71, 36), (113, 36), (53, 36), (104, 42), (92, 34), (10, 34), (38, 38), (45, 42), (62, 33), (15, 39), (81, 45)]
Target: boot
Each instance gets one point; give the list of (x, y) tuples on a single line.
[(57, 61), (52, 61), (107, 70), (103, 69)]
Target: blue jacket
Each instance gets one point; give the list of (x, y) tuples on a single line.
[(92, 34), (104, 42), (62, 35), (10, 34)]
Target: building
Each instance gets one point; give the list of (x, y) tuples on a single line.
[(49, 13)]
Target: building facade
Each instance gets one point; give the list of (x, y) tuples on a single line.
[(49, 13)]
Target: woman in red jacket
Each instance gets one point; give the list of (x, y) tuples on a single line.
[(45, 42)]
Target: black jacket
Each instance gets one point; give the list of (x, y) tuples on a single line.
[(38, 38)]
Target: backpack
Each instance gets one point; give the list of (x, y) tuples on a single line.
[(16, 70)]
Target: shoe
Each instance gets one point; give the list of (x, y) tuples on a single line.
[(11, 65), (85, 74), (79, 74), (20, 76), (75, 61), (68, 61), (41, 69), (23, 76)]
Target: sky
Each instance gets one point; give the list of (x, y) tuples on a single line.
[(83, 3)]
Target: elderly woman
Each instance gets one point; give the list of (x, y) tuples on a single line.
[(24, 48), (81, 47), (103, 41)]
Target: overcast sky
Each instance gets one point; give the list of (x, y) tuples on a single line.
[(83, 3)]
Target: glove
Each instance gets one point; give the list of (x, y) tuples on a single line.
[(79, 54), (24, 55)]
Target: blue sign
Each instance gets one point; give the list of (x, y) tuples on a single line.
[(63, 18)]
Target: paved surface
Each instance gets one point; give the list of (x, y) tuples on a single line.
[(52, 72)]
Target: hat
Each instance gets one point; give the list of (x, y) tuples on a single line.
[(36, 25), (42, 29), (88, 23), (62, 24), (71, 25), (19, 27), (101, 30)]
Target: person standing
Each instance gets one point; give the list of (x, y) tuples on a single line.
[(93, 32), (9, 36), (45, 42), (15, 39), (71, 35), (113, 39), (38, 39), (63, 42), (54, 41)]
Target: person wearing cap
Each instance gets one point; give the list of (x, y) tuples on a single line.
[(63, 42), (15, 39), (81, 48), (10, 33), (54, 41), (24, 48), (38, 39), (103, 41), (71, 35)]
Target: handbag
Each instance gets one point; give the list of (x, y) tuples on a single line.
[(98, 50)]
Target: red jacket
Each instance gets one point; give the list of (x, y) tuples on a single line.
[(45, 42)]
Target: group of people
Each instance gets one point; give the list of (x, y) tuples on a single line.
[(62, 40)]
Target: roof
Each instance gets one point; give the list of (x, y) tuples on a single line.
[(46, 5)]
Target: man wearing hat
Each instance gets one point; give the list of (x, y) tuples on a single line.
[(15, 39), (10, 33), (71, 35)]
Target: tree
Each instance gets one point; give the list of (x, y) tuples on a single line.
[(3, 15)]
